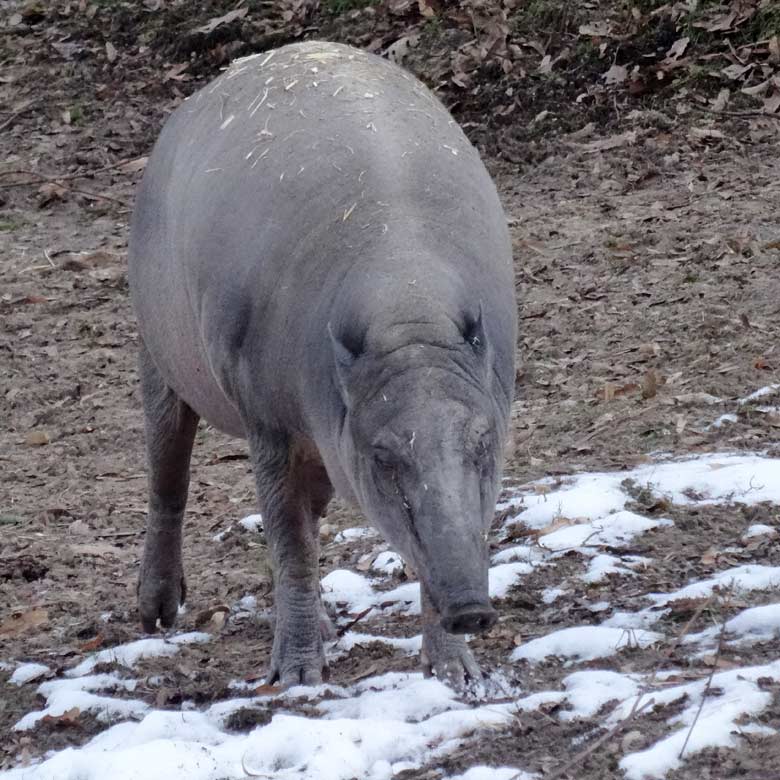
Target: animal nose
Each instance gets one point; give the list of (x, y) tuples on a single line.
[(471, 619)]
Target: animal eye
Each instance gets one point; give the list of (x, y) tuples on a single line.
[(482, 451), (384, 461)]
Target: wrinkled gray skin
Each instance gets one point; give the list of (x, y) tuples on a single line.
[(320, 264)]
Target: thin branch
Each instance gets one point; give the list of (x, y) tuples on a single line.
[(616, 729), (67, 176), (707, 687), (739, 114)]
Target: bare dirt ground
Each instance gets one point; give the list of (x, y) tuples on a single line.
[(647, 252)]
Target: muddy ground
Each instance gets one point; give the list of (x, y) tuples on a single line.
[(647, 251)]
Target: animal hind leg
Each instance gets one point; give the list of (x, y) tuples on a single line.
[(170, 433)]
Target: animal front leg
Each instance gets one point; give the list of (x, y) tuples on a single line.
[(298, 656), (447, 656)]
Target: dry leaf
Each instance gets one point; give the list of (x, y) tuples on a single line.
[(617, 74), (722, 100), (426, 8), (215, 616), (650, 384), (111, 52), (267, 690), (22, 622), (217, 21), (774, 49), (599, 29), (710, 558), (613, 142), (176, 73), (91, 644), (37, 438), (398, 51), (68, 718), (772, 103), (96, 549), (134, 166), (678, 48), (719, 23)]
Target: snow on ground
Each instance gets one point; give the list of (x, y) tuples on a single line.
[(387, 723), (584, 643), (27, 673)]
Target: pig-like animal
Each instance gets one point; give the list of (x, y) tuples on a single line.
[(319, 263)]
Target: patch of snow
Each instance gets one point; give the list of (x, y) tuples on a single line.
[(756, 624), (601, 566), (493, 773), (613, 530), (502, 578), (719, 422), (132, 652), (759, 529), (350, 534), (760, 393), (105, 707), (411, 698), (388, 563), (90, 682), (252, 523), (410, 645), (27, 673), (740, 578), (549, 595), (343, 586), (587, 692), (717, 725), (644, 618), (584, 643), (519, 552)]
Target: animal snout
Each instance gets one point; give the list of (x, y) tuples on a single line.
[(471, 619)]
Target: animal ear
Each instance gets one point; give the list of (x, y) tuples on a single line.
[(343, 359), (474, 335)]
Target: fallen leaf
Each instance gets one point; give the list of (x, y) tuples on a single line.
[(68, 718), (176, 73), (617, 74), (678, 48), (598, 29), (37, 438), (398, 51), (22, 622), (650, 385), (97, 549), (91, 644), (426, 8), (722, 100), (133, 166), (612, 142), (772, 103), (267, 690), (710, 557), (111, 52), (719, 23), (217, 21), (215, 616)]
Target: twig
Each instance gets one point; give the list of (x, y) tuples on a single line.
[(67, 176), (736, 113), (616, 729), (8, 122), (343, 630), (706, 687), (636, 710)]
